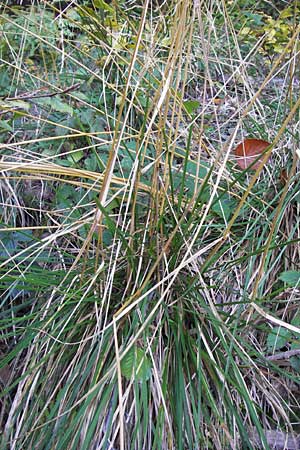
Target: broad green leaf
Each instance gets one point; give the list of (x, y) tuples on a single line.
[(136, 363), (190, 179), (81, 96), (60, 106), (4, 126), (277, 338), (191, 171), (191, 168), (297, 197), (49, 151), (86, 116), (224, 207), (291, 277), (18, 104), (64, 193), (257, 19), (103, 5), (75, 156), (56, 104), (191, 106), (295, 363), (126, 164), (286, 13), (296, 320), (107, 238), (90, 163), (143, 100)]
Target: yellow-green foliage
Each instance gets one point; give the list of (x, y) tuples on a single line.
[(275, 32)]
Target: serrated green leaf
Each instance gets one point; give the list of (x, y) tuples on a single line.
[(291, 277), (277, 338), (136, 363)]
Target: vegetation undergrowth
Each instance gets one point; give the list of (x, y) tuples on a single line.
[(149, 286)]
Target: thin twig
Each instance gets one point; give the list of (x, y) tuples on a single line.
[(48, 94), (284, 355)]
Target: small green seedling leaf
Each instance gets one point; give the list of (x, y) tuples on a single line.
[(290, 277), (136, 363)]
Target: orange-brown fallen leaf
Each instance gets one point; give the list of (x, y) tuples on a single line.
[(248, 150)]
